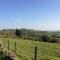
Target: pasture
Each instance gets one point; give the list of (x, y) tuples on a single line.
[(25, 49)]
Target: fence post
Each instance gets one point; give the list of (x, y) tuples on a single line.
[(8, 45), (15, 47), (4, 43), (35, 57)]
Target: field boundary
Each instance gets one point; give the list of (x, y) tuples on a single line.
[(8, 52)]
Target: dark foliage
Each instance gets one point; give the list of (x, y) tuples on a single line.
[(46, 38), (54, 40), (18, 33)]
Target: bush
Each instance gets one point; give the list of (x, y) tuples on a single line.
[(46, 38), (54, 40)]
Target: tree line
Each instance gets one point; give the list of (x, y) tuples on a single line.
[(30, 34), (36, 35)]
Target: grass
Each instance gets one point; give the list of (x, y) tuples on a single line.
[(25, 49)]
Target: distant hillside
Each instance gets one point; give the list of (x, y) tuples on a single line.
[(30, 34), (24, 32), (56, 34)]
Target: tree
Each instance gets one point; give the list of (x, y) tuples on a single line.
[(54, 40), (46, 38), (18, 32)]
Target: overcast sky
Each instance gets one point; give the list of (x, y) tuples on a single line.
[(31, 14)]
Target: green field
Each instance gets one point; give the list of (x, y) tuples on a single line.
[(25, 49)]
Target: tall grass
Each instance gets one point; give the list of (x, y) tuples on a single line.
[(25, 49)]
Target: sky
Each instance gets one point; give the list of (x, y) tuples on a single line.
[(30, 14)]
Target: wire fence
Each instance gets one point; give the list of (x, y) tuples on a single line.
[(15, 48)]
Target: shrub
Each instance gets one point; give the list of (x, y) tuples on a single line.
[(54, 40), (46, 38)]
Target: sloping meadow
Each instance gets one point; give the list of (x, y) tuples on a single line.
[(25, 49)]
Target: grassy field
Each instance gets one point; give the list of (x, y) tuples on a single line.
[(25, 49)]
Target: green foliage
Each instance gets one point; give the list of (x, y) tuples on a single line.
[(46, 38), (30, 34), (55, 40), (2, 56), (18, 33)]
